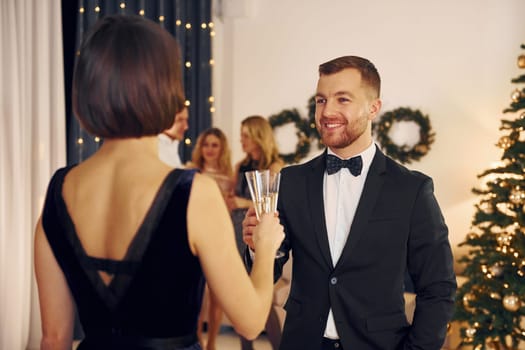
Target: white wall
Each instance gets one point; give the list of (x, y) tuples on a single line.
[(451, 59)]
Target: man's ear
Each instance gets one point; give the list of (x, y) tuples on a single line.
[(374, 108)]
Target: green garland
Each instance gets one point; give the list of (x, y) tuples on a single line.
[(404, 153), (303, 133)]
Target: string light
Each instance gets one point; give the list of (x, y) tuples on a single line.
[(80, 141), (81, 10), (211, 99), (178, 23), (187, 103), (97, 139), (212, 109), (188, 25), (141, 12), (122, 5), (188, 64), (97, 9), (212, 33), (211, 25), (187, 141), (203, 25), (212, 61), (161, 18)]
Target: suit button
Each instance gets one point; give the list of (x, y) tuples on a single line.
[(333, 280)]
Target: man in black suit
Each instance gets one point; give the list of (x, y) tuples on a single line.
[(354, 232)]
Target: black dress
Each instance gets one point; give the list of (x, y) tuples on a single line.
[(238, 214), (154, 298)]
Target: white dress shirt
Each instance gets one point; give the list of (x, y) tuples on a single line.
[(341, 194), (169, 151)]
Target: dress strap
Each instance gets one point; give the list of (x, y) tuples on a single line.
[(109, 265)]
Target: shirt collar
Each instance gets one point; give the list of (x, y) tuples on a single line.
[(166, 139)]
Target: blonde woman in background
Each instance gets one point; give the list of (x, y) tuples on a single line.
[(260, 148), (212, 156), (261, 152)]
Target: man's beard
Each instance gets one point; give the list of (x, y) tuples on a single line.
[(346, 137)]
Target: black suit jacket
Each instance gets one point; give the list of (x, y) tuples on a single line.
[(398, 227)]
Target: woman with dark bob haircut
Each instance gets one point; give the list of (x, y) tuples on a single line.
[(121, 237)]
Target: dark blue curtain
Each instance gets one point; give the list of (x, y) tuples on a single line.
[(188, 20)]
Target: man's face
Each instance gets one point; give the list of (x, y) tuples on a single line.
[(180, 125), (344, 110)]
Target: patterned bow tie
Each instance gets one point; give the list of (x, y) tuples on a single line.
[(334, 164)]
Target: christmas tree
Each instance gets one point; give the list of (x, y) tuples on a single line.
[(491, 304)]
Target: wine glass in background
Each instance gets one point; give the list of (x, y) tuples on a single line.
[(264, 190)]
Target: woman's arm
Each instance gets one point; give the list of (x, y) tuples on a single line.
[(212, 240), (56, 302)]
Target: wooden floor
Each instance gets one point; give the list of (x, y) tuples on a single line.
[(229, 340)]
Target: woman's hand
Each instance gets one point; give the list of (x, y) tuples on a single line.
[(251, 231), (267, 234)]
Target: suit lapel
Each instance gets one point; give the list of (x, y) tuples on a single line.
[(315, 198), (371, 190)]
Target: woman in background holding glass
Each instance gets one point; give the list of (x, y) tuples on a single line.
[(261, 153), (213, 157)]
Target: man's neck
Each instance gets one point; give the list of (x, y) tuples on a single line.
[(350, 151)]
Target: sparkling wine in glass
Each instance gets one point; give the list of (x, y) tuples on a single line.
[(264, 190)]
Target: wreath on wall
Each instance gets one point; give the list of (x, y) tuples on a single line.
[(311, 119), (303, 133), (404, 153)]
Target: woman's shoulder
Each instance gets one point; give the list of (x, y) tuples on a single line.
[(203, 181), (276, 166), (190, 165)]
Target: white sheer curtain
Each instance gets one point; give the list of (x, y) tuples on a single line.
[(32, 146)]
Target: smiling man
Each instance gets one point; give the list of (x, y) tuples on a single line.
[(355, 222)]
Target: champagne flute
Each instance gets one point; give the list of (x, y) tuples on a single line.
[(264, 190)]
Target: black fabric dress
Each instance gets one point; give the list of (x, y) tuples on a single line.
[(238, 214), (154, 298)]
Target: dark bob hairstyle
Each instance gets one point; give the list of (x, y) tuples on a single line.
[(128, 78)]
